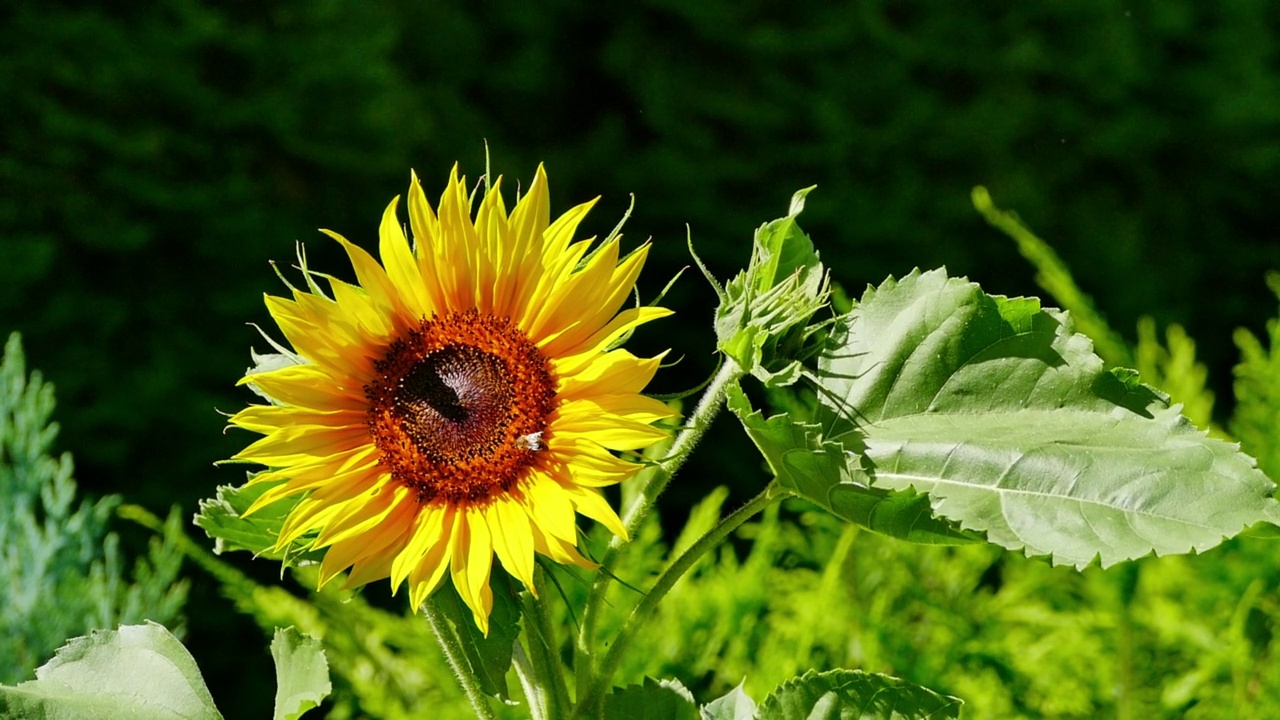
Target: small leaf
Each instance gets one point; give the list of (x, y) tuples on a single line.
[(823, 472), (855, 695), (734, 705), (138, 671), (222, 518), (784, 247), (302, 673), (655, 700), (489, 657), (1012, 425)]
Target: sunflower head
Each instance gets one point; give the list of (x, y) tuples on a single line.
[(462, 400)]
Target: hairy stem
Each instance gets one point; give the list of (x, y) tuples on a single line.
[(655, 481), (591, 696), (534, 694), (457, 660), (543, 646)]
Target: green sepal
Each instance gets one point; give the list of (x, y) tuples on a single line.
[(762, 322), (222, 518)]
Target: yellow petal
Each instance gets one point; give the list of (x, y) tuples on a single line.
[(428, 532), (586, 351), (590, 464), (302, 443), (456, 252), (589, 502), (368, 552), (549, 507), (359, 519), (562, 552), (512, 540), (630, 406), (616, 371), (371, 276), (493, 269), (402, 268), (362, 478), (572, 300), (613, 432), (306, 386), (426, 577), (528, 222), (427, 238), (268, 418), (472, 563)]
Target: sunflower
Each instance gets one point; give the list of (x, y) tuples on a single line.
[(463, 400)]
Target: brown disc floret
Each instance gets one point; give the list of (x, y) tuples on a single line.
[(460, 406)]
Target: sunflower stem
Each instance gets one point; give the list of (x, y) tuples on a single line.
[(457, 660), (655, 481), (534, 694), (591, 697), (542, 645)]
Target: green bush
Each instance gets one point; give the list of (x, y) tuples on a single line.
[(62, 571)]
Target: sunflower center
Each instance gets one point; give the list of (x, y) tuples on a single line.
[(460, 406)]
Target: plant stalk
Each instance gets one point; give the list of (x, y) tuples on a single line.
[(543, 647), (457, 660), (709, 405), (534, 694), (592, 696)]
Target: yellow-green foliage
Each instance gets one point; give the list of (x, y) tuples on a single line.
[(1160, 638), (1256, 422)]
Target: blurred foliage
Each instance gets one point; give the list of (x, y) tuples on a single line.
[(63, 573), (1171, 366), (1256, 421), (154, 155), (1014, 638)]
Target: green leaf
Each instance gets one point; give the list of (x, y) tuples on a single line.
[(489, 657), (823, 472), (655, 700), (1011, 424), (138, 671), (855, 695), (734, 705), (302, 673), (222, 518)]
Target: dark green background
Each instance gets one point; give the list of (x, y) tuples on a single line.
[(155, 155)]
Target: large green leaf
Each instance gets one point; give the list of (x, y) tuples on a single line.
[(654, 700), (138, 671), (823, 472), (1009, 421), (855, 695), (302, 673)]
